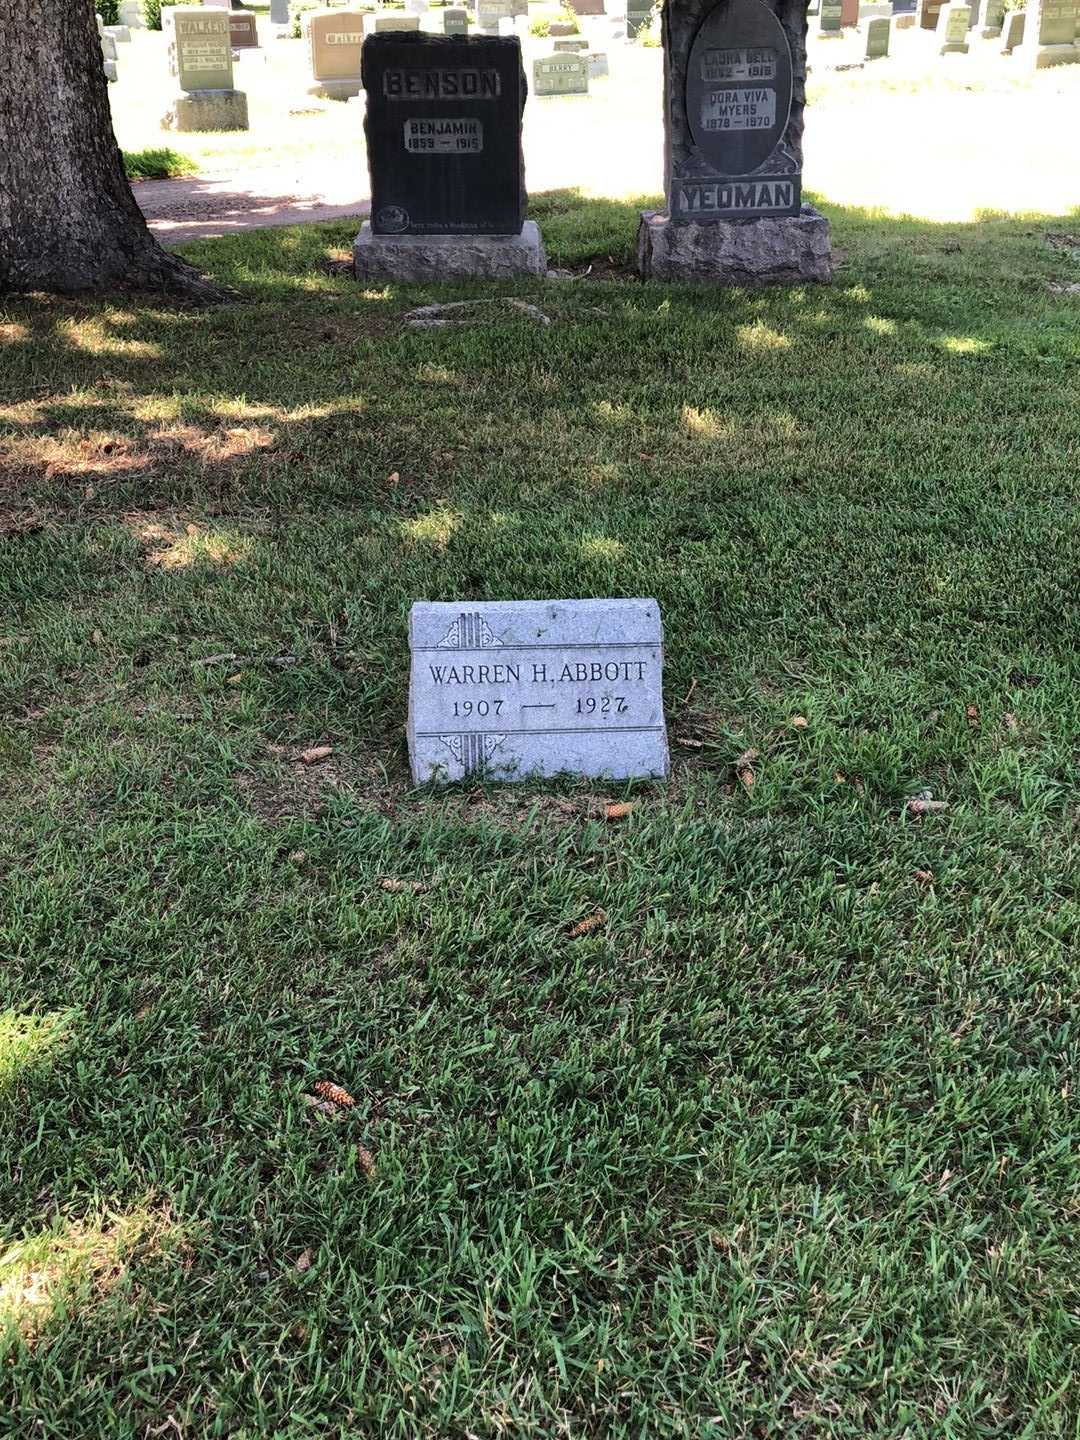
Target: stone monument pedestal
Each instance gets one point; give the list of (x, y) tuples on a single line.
[(1047, 55), (449, 257), (199, 110), (779, 250)]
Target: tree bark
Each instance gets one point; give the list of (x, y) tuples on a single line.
[(68, 220)]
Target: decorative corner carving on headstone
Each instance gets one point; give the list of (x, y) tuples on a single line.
[(469, 632)]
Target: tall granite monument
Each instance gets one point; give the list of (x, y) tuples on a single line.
[(734, 90), (443, 128)]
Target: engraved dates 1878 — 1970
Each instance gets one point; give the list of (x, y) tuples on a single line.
[(729, 118), (513, 689)]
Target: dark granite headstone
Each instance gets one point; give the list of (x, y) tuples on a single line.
[(1015, 25), (877, 38), (732, 134), (831, 17), (903, 7), (849, 13), (929, 12), (443, 131), (638, 14)]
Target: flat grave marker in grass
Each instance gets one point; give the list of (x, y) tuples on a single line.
[(512, 689)]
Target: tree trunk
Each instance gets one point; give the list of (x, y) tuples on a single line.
[(68, 219)]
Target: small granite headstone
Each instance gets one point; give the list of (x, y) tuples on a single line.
[(973, 13), (455, 21), (993, 19), (279, 12), (831, 18), (490, 12), (1015, 25), (387, 24), (561, 75), (849, 13), (877, 38), (956, 29), (335, 39), (108, 47), (598, 65), (118, 33), (638, 14), (243, 30), (571, 47), (928, 13), (507, 690)]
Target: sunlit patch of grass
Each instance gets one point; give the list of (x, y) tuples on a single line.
[(12, 334), (613, 414), (879, 325), (605, 474), (61, 1271), (761, 338), (26, 1041), (428, 373), (704, 424), (224, 549), (964, 345), (602, 547), (92, 336), (434, 530), (71, 453)]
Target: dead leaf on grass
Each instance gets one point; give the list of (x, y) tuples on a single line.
[(1009, 721), (316, 754), (744, 768), (972, 713), (924, 877), (690, 743), (335, 1093), (394, 886), (305, 1261), (324, 1107), (798, 722), (365, 1160), (588, 925), (918, 805), (619, 811)]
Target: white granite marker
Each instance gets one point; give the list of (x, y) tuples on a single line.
[(518, 688)]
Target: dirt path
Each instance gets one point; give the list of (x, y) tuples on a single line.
[(221, 203)]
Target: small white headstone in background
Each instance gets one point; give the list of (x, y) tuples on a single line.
[(506, 690)]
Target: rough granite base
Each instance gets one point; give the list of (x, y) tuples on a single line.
[(449, 257), (199, 110), (1046, 56), (774, 250)]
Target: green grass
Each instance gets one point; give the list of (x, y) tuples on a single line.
[(788, 1146), (160, 164)]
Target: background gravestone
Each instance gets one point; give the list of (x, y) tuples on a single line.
[(561, 75), (243, 30), (279, 12), (831, 18), (877, 38), (201, 59), (638, 13), (1050, 34), (386, 24), (455, 21), (734, 91), (928, 13), (956, 28), (506, 690), (849, 13), (993, 19), (443, 128), (1013, 31), (335, 39)]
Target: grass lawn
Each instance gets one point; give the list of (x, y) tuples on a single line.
[(787, 1147)]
